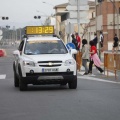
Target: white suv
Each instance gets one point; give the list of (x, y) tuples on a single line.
[(44, 60)]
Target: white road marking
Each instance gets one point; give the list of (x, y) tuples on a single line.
[(97, 79), (3, 76), (109, 73)]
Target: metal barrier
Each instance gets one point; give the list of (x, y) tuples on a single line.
[(112, 63), (79, 60)]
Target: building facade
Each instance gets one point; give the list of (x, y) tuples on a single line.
[(107, 20)]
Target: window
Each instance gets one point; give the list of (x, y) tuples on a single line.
[(45, 47)]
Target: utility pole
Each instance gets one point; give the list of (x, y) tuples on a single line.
[(78, 15)]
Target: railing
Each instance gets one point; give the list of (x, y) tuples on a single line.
[(112, 63)]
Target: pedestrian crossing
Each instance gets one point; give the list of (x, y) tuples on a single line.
[(93, 75), (3, 76)]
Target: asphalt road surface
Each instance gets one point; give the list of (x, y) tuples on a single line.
[(92, 100)]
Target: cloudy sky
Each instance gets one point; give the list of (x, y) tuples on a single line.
[(22, 12)]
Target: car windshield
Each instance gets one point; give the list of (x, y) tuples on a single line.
[(45, 47)]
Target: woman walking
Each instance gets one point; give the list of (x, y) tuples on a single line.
[(85, 55), (94, 58)]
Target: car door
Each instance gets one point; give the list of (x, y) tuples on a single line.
[(20, 48)]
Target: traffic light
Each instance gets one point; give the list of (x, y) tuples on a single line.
[(5, 18), (37, 17), (99, 1)]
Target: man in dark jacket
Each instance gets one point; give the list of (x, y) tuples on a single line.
[(95, 40), (74, 41)]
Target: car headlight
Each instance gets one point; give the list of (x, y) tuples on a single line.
[(69, 62), (28, 63)]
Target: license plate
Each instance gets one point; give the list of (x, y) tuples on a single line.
[(50, 69)]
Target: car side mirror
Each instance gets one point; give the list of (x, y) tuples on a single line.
[(73, 51), (16, 53)]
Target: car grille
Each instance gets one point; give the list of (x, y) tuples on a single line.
[(49, 63), (49, 73)]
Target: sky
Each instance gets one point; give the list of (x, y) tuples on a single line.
[(22, 12)]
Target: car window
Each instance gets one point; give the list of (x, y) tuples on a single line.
[(45, 47)]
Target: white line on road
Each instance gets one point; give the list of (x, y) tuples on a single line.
[(97, 79), (3, 76)]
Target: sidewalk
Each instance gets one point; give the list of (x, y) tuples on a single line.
[(97, 74)]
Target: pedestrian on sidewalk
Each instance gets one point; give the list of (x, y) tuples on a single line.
[(85, 55), (78, 40), (94, 58), (95, 40), (74, 41), (115, 43), (101, 40)]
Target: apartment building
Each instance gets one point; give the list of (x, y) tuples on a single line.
[(104, 16)]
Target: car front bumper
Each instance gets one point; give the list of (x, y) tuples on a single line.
[(48, 78)]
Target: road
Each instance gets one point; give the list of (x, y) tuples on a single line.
[(94, 99)]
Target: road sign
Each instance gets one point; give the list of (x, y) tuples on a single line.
[(82, 14), (82, 21), (74, 2), (70, 46), (69, 28), (84, 7)]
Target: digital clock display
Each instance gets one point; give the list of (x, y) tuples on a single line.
[(37, 30)]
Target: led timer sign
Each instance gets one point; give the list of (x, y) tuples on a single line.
[(37, 30)]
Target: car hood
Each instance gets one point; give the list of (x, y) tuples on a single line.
[(48, 57)]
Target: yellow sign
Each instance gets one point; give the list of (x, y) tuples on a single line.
[(37, 30)]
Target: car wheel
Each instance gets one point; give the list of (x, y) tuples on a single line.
[(16, 80), (73, 84), (22, 85)]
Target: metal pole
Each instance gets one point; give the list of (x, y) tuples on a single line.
[(78, 15)]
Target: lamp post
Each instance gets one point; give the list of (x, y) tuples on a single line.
[(78, 15), (57, 21)]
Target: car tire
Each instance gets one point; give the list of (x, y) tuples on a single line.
[(16, 80), (22, 85), (73, 84)]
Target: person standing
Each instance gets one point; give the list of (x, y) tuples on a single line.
[(95, 40), (74, 41), (115, 43), (78, 40), (101, 39), (85, 55), (94, 58)]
